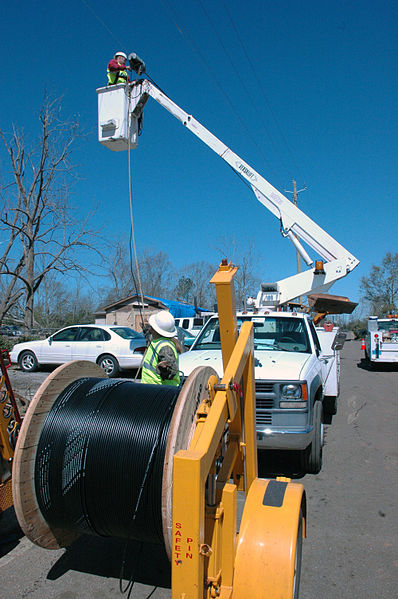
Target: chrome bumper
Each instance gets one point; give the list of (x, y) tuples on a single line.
[(274, 438)]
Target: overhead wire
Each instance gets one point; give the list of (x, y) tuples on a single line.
[(243, 84), (101, 21), (132, 234), (260, 86), (137, 287), (206, 66)]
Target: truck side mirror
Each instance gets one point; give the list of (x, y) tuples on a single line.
[(339, 341)]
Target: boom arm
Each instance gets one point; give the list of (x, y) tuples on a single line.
[(339, 262)]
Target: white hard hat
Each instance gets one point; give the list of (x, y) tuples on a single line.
[(163, 323), (121, 54)]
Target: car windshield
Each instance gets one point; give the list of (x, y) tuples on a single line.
[(270, 334), (126, 332), (388, 325)]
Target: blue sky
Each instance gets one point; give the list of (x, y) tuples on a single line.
[(319, 107)]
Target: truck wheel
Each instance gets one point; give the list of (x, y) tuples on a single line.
[(312, 456), (109, 364), (368, 361), (28, 362), (329, 405)]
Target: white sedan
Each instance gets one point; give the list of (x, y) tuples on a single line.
[(114, 348)]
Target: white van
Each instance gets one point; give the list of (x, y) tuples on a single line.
[(192, 324)]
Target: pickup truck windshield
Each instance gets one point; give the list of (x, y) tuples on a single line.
[(270, 334)]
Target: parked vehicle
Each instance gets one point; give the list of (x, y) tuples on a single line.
[(192, 324), (297, 379), (381, 341), (10, 330), (185, 337), (114, 348)]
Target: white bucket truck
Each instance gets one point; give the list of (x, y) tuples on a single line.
[(293, 376), (381, 342), (297, 372)]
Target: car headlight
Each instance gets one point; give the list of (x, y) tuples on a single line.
[(291, 391)]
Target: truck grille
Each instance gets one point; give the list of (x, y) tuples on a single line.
[(264, 387), (265, 399), (264, 418), (264, 404)]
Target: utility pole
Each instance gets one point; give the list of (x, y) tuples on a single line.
[(295, 203), (295, 193)]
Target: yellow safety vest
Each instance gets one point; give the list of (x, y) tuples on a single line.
[(149, 373), (115, 77)]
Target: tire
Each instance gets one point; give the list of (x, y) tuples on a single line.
[(109, 364), (27, 361), (312, 456), (368, 361), (298, 557), (330, 405)]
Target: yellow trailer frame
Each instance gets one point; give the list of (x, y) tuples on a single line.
[(209, 559)]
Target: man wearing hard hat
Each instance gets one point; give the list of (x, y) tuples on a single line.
[(117, 69), (160, 364)]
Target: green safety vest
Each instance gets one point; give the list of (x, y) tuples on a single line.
[(114, 76), (151, 359)]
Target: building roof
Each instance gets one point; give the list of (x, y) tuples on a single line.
[(180, 309), (131, 299), (177, 309)]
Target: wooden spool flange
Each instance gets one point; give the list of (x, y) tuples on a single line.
[(181, 431), (182, 428), (23, 472)]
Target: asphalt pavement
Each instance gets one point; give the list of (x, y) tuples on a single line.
[(351, 550)]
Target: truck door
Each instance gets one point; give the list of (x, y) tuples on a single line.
[(323, 358)]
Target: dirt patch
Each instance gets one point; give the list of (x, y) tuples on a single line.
[(25, 385)]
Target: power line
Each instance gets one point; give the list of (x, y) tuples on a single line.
[(101, 21), (295, 192), (205, 65), (244, 86), (261, 86)]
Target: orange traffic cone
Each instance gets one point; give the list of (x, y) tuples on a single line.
[(363, 344)]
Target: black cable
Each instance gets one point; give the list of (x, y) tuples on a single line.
[(100, 458)]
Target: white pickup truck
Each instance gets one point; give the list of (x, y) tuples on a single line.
[(297, 369), (381, 343)]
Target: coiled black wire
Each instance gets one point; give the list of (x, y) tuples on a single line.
[(100, 458)]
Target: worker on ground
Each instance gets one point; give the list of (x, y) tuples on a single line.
[(117, 69), (160, 363)]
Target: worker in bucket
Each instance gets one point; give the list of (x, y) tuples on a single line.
[(160, 363), (117, 69)]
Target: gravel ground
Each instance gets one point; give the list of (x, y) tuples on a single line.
[(25, 384)]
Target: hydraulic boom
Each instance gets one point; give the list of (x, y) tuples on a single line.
[(337, 261)]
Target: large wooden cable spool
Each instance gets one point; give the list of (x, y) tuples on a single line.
[(180, 433)]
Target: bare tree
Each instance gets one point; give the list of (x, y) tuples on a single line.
[(118, 272), (246, 281), (59, 303), (37, 216), (183, 289), (156, 273), (201, 292)]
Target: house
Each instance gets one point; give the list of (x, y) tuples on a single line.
[(129, 311)]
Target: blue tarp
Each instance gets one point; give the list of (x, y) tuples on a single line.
[(179, 309)]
